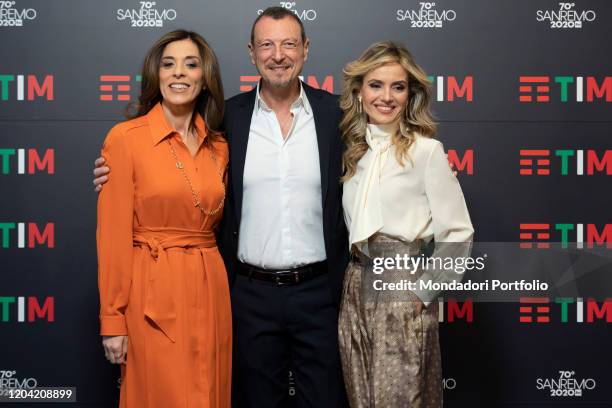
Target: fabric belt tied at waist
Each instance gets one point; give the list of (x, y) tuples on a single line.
[(160, 303)]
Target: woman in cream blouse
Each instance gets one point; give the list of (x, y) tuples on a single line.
[(399, 194)]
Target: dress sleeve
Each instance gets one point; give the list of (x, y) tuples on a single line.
[(451, 222), (114, 234)]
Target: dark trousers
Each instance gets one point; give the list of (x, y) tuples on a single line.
[(277, 329)]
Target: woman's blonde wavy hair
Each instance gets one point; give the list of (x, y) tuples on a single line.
[(416, 118)]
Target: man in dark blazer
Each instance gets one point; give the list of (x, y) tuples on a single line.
[(283, 236)]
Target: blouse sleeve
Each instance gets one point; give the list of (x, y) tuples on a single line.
[(451, 222), (114, 235)]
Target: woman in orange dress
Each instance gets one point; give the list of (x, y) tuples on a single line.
[(164, 298)]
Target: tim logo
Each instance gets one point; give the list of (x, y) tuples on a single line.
[(25, 87), (567, 88), (544, 162), (462, 164), (541, 235), (27, 161), (117, 87), (27, 235), (451, 311), (540, 310), (27, 309), (248, 82), (451, 88)]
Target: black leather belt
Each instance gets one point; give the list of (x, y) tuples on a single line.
[(283, 277)]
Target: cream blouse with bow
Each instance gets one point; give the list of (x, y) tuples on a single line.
[(420, 200)]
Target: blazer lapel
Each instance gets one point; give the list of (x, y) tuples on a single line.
[(238, 146), (322, 125)]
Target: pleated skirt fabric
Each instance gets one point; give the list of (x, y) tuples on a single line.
[(390, 353)]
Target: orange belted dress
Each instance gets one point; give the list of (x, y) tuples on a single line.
[(161, 278)]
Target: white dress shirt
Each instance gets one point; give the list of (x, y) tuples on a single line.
[(420, 200), (282, 215)]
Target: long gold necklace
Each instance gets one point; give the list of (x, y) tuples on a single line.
[(196, 200)]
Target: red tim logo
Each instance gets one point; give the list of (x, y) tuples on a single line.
[(15, 308), (456, 311), (248, 82), (26, 87), (462, 164), (531, 310), (116, 87), (448, 88), (577, 234), (568, 88), (534, 84), (538, 158), (582, 162), (529, 232), (539, 310)]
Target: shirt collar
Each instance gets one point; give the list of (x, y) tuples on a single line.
[(160, 128), (301, 100), (379, 136)]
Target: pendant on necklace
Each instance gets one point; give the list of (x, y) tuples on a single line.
[(179, 165)]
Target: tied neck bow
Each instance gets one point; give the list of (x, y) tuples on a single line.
[(367, 216)]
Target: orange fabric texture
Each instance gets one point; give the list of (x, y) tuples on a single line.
[(161, 278)]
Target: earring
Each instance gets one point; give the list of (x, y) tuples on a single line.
[(359, 106)]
